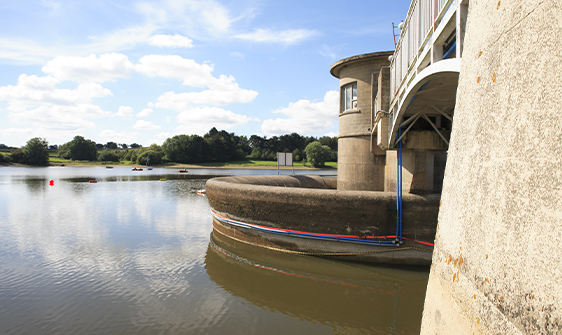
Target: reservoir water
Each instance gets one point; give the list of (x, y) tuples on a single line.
[(134, 253)]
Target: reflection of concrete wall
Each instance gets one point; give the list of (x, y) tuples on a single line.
[(318, 291), (358, 167), (496, 265)]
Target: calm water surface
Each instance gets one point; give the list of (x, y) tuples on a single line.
[(133, 254)]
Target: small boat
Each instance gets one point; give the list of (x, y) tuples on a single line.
[(109, 167), (137, 169), (182, 170), (93, 181), (202, 192), (149, 168)]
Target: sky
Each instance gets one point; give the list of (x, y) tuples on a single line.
[(143, 71)]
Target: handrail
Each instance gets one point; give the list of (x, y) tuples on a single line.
[(422, 19)]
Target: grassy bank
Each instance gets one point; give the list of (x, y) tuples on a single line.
[(236, 164), (55, 160)]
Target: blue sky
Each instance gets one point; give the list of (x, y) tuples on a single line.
[(143, 71)]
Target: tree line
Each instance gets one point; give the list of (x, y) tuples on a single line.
[(214, 146)]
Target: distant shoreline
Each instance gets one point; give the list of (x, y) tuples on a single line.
[(180, 166)]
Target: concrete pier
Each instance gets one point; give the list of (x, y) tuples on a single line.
[(496, 264)]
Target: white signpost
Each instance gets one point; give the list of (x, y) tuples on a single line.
[(285, 159)]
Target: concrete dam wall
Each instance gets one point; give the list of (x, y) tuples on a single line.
[(496, 264), (312, 204)]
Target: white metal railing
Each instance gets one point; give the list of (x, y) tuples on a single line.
[(422, 19)]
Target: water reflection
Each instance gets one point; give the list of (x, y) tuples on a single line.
[(133, 256), (346, 297), (100, 258)]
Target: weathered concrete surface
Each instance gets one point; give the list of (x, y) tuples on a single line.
[(422, 171), (359, 167), (316, 210), (496, 264), (410, 253), (293, 202)]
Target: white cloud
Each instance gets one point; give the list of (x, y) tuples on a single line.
[(38, 102), (237, 54), (17, 132), (107, 67), (119, 137), (224, 92), (160, 137), (146, 125), (120, 39), (328, 52), (125, 111), (25, 51), (290, 36), (145, 112), (175, 41), (200, 18), (173, 66), (200, 120), (221, 91), (305, 117)]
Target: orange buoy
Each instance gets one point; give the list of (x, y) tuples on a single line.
[(51, 182)]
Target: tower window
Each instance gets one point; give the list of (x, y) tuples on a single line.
[(349, 97)]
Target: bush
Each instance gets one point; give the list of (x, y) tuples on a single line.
[(36, 151), (317, 154), (108, 156), (17, 156), (155, 157)]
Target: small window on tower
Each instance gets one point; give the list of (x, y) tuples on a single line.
[(349, 97)]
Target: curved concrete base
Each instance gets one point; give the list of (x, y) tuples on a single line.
[(256, 209)]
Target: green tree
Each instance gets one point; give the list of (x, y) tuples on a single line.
[(35, 152), (317, 154), (332, 142), (17, 156), (110, 145), (155, 157), (186, 149), (223, 146), (79, 149), (108, 156)]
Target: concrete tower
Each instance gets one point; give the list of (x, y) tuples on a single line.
[(361, 165)]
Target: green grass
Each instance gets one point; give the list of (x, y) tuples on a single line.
[(255, 163), (54, 159)]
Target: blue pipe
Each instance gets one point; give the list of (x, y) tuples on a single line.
[(398, 185), (451, 50), (401, 213), (305, 235)]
